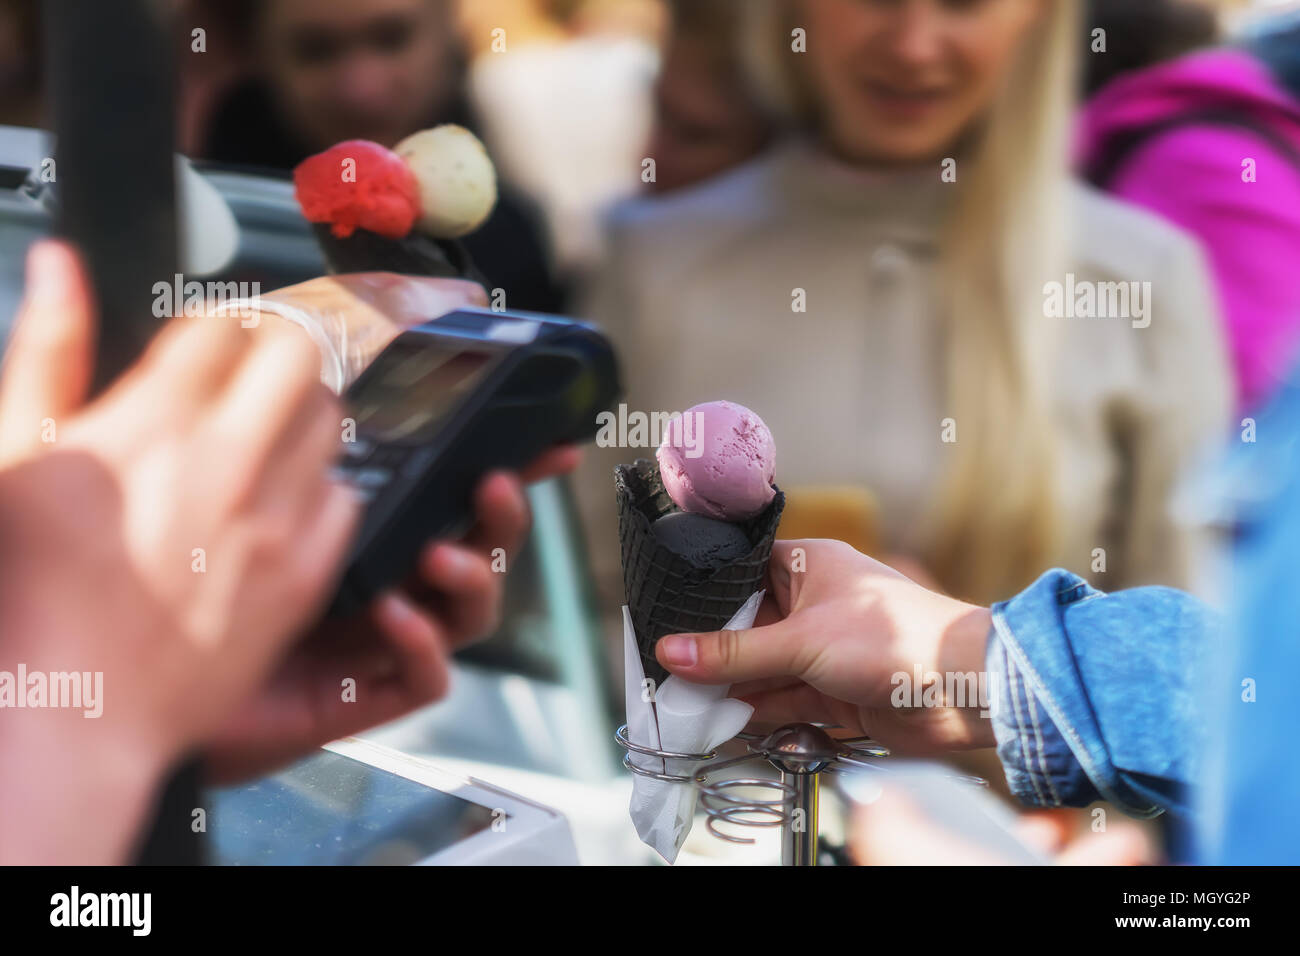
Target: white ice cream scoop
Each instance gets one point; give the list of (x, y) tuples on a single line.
[(458, 185)]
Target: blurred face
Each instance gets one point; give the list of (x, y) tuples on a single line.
[(704, 122), (357, 69), (899, 81)]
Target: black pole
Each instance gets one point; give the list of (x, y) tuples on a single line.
[(109, 87)]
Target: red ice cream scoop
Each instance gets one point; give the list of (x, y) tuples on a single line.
[(358, 184)]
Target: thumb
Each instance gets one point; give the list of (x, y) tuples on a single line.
[(726, 657), (50, 358)]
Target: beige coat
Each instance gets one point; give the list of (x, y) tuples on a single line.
[(697, 295)]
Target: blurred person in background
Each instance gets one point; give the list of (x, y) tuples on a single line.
[(20, 79), (564, 91), (223, 63), (328, 71), (1140, 34), (707, 118), (324, 71), (1208, 140), (893, 328)]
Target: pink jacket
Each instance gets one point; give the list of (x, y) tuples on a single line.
[(1194, 175)]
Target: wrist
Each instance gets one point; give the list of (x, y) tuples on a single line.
[(963, 652), (77, 790)]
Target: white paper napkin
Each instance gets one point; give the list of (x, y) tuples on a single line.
[(683, 718)]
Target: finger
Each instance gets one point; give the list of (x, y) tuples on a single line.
[(304, 455), (427, 297), (417, 642), (302, 708), (502, 513), (780, 577), (1042, 832), (191, 360), (559, 460), (407, 296), (50, 358), (266, 395), (471, 292), (1122, 845), (324, 542), (724, 657), (403, 299), (408, 669), (175, 381), (320, 527), (467, 592)]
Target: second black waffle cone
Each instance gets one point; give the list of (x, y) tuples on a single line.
[(416, 254), (666, 594)]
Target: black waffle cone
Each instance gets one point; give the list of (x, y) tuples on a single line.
[(666, 593), (416, 254)]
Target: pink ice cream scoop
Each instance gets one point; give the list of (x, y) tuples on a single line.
[(718, 459)]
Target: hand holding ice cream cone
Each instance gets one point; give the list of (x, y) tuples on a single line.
[(836, 631)]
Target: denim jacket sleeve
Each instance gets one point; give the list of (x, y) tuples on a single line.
[(1093, 694)]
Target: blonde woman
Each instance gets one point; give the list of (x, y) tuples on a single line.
[(920, 303)]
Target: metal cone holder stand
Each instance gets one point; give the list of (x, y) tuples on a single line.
[(801, 753)]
